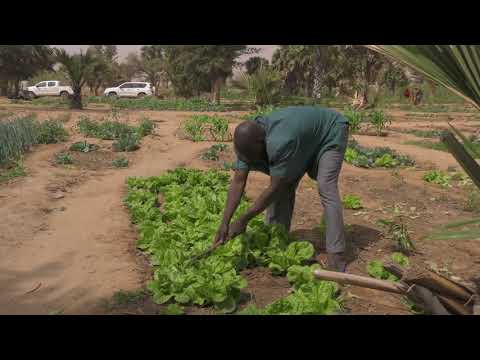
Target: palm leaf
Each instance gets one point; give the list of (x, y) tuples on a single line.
[(467, 143)]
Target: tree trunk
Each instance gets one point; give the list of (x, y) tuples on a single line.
[(393, 88), (16, 88), (3, 88), (76, 101), (317, 75), (217, 85)]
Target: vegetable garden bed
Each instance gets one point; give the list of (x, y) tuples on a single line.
[(380, 157), (185, 227)]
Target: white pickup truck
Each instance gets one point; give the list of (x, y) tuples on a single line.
[(49, 88)]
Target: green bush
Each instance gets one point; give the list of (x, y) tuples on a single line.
[(121, 162), (83, 146), (51, 132), (379, 120), (214, 152), (127, 142), (63, 158), (355, 119), (264, 86), (146, 127), (108, 130), (197, 125)]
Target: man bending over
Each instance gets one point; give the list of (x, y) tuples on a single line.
[(285, 145)]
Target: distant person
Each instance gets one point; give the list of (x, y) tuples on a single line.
[(287, 144), (407, 93), (418, 96)]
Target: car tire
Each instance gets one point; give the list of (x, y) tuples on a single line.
[(30, 95), (141, 95), (64, 95), (112, 95)]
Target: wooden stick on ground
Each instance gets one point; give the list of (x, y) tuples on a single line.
[(425, 279), (430, 302), (362, 281)]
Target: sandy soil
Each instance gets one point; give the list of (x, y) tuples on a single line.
[(66, 243)]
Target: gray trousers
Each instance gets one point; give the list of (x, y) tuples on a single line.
[(329, 167)]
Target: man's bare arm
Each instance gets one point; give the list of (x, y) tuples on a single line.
[(237, 187), (277, 186)]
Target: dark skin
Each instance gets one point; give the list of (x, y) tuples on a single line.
[(249, 143)]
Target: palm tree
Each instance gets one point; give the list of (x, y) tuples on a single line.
[(76, 67), (457, 68), (263, 85)]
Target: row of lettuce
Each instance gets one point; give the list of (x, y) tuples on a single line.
[(191, 210)]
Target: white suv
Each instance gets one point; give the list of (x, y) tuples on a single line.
[(130, 89)]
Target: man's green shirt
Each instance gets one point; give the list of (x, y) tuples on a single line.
[(296, 138)]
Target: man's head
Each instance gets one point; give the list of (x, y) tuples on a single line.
[(249, 142)]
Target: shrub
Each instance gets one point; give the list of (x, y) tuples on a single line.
[(379, 120), (121, 162), (197, 125), (214, 151), (355, 119), (63, 158), (108, 130), (264, 86), (146, 127), (127, 142), (83, 146), (51, 132)]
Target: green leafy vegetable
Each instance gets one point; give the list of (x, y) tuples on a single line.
[(375, 269), (192, 208), (437, 177), (352, 202), (400, 259), (377, 157), (173, 309)]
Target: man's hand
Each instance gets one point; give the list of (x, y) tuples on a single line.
[(222, 235), (237, 228)]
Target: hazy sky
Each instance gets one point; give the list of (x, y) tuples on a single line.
[(123, 50)]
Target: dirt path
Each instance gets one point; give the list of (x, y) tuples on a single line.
[(70, 253)]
